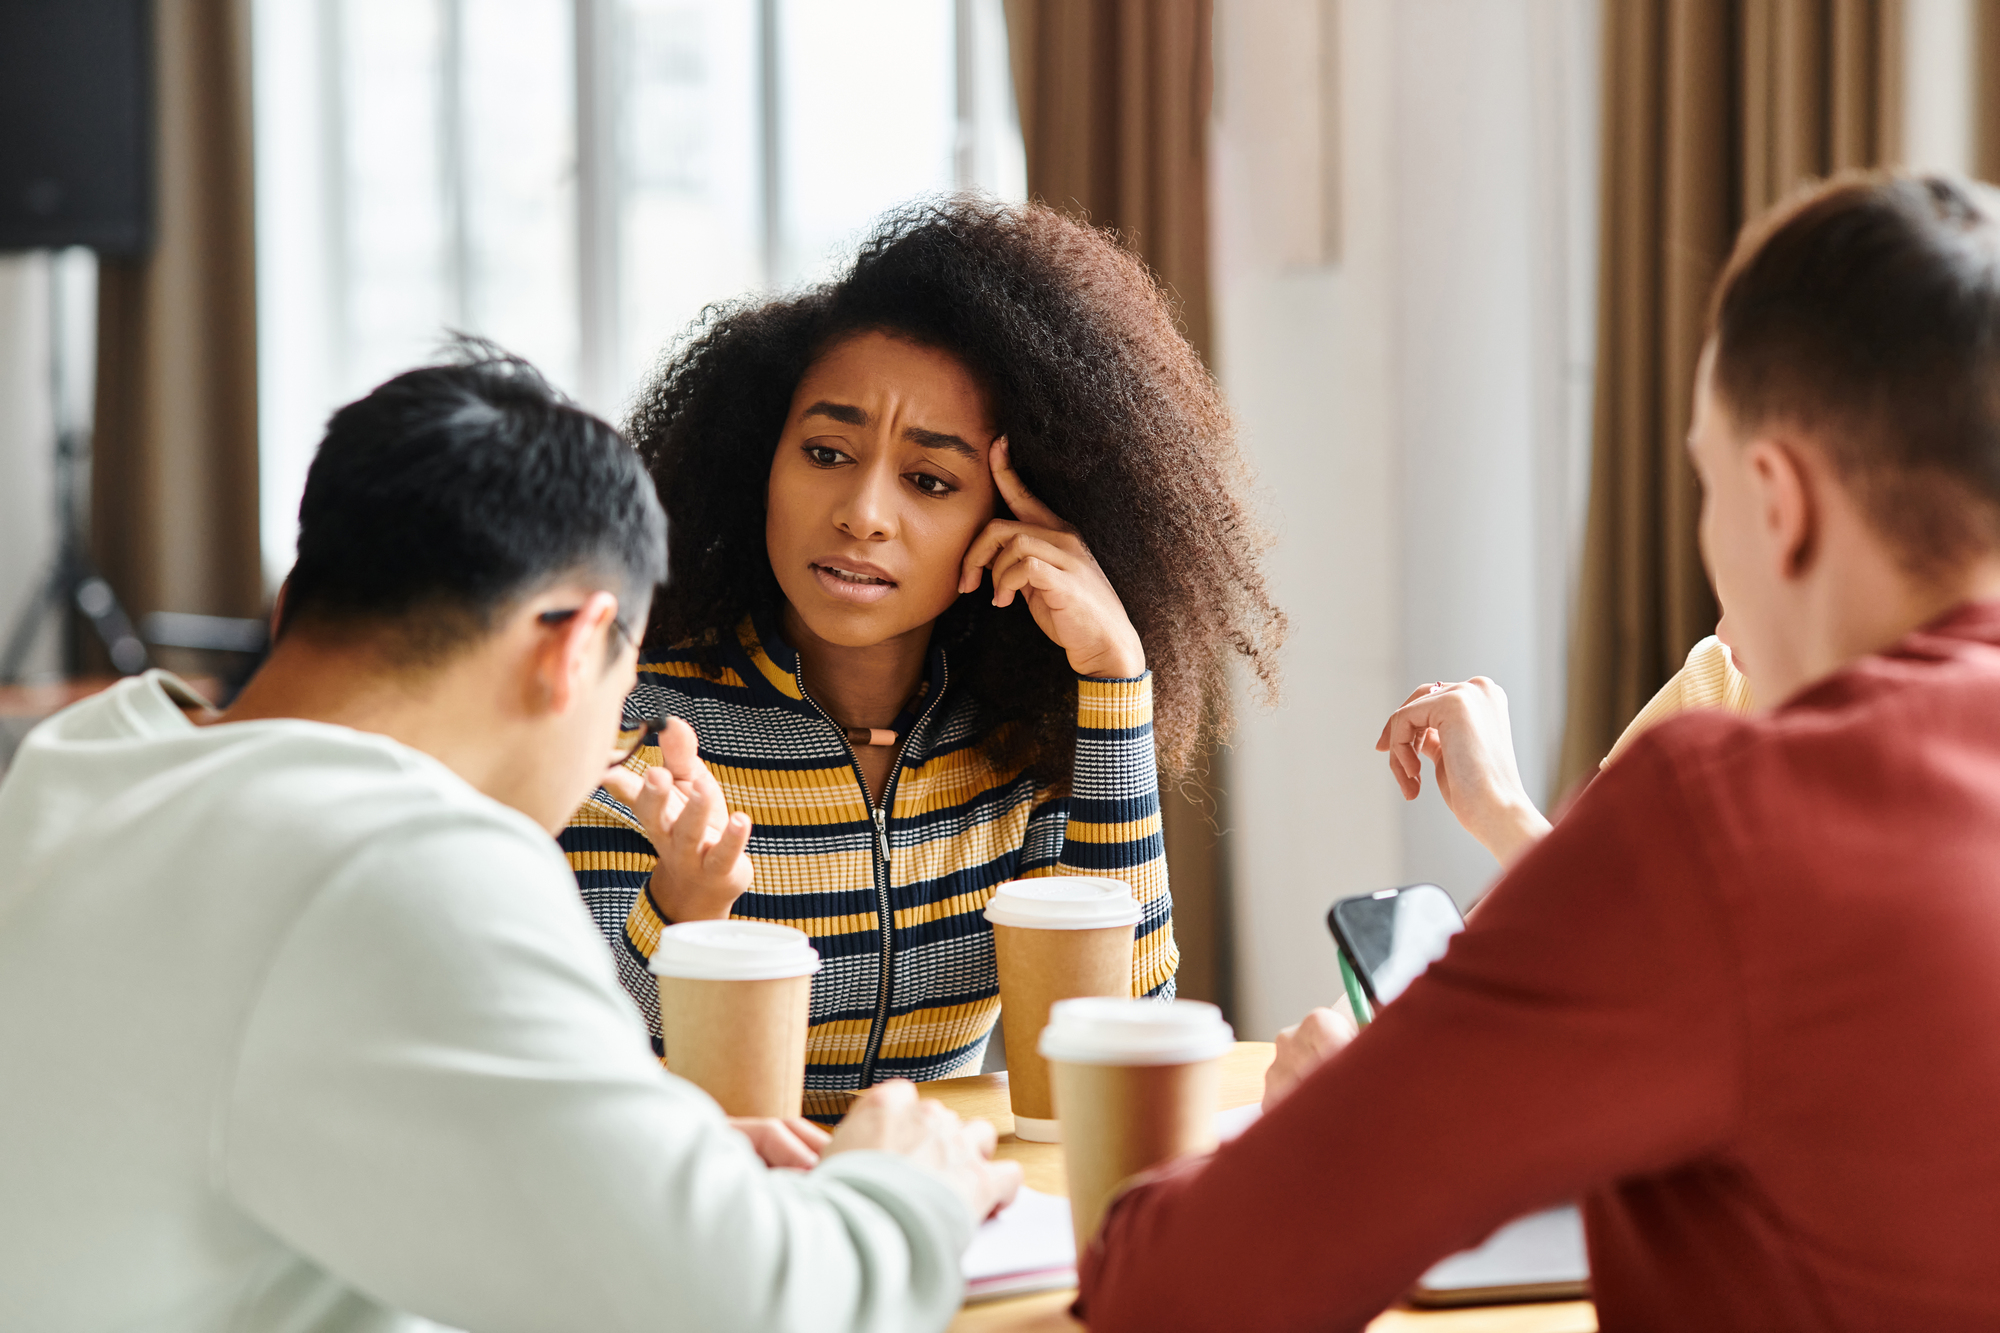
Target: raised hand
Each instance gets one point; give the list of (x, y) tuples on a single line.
[(702, 867), (1462, 728), (1038, 556)]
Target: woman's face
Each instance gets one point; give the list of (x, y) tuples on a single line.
[(879, 485)]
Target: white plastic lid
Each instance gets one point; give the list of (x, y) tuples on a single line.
[(734, 951), (1101, 1031), (1063, 902)]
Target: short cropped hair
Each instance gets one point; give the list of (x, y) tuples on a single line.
[(1866, 311), (451, 491)]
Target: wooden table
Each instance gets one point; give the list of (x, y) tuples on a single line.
[(985, 1097), (23, 707), (39, 701)]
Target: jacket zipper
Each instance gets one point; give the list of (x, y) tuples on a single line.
[(884, 915)]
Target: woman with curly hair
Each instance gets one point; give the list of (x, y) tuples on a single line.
[(955, 542)]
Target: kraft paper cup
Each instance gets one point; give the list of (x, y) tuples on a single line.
[(1054, 938), (1136, 1084), (734, 1000)]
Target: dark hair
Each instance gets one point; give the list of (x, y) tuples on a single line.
[(450, 491), (1867, 311), (1111, 418)]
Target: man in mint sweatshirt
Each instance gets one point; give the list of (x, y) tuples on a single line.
[(302, 1023)]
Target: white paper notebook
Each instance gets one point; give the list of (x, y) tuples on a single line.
[(1540, 1256), (1028, 1247), (1537, 1257), (1230, 1123)]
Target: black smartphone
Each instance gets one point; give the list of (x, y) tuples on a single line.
[(1389, 938)]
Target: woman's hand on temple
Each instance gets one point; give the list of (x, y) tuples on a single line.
[(1463, 729), (1038, 556), (702, 867)]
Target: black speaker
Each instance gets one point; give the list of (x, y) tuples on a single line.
[(76, 125)]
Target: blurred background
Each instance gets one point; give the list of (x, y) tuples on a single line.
[(1447, 258)]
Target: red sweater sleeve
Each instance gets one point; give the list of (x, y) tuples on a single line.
[(1586, 1025)]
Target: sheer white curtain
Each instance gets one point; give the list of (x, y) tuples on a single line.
[(576, 179)]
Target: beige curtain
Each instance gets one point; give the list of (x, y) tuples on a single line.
[(1986, 90), (1713, 111), (1114, 103), (174, 516)]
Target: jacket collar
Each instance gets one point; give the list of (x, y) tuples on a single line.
[(771, 664), (1977, 621)]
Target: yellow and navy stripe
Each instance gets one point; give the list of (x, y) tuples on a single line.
[(907, 986)]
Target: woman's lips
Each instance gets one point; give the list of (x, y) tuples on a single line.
[(847, 585)]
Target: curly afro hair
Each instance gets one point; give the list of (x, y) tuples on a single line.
[(1112, 420)]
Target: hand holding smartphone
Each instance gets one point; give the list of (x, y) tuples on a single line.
[(1388, 938), (1386, 941)]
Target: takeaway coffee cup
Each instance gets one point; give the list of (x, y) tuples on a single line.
[(1054, 939), (734, 999), (1136, 1083)]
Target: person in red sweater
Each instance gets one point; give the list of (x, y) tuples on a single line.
[(1744, 999)]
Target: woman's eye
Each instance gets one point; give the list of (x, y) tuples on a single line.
[(930, 485), (822, 456)]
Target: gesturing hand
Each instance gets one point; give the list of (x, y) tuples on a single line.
[(1038, 556), (702, 867), (1463, 729)]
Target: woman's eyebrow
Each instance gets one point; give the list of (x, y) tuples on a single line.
[(849, 415), (844, 413), (937, 439)]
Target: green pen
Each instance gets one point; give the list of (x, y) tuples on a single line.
[(1355, 997)]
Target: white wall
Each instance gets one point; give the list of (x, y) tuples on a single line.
[(1494, 125), (1404, 201), (1938, 78)]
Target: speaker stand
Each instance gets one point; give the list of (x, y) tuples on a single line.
[(72, 579)]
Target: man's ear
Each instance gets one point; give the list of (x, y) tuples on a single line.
[(572, 654), (1788, 503)]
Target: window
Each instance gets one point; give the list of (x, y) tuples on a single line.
[(577, 179)]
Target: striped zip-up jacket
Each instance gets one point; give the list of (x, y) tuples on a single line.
[(894, 898)]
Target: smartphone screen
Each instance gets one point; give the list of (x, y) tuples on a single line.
[(1390, 937)]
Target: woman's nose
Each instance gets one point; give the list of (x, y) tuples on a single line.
[(868, 511)]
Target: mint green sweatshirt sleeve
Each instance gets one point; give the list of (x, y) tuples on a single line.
[(444, 1097)]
